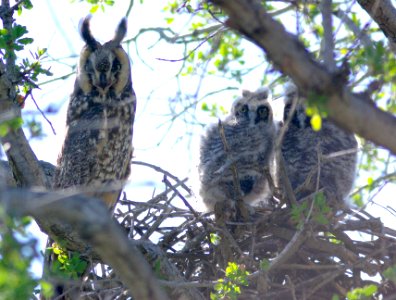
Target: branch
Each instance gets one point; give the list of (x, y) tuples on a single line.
[(328, 41), (351, 111), (384, 14), (21, 157), (92, 222)]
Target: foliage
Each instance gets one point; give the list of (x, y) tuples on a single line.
[(26, 71), (68, 264), (366, 292), (7, 126), (96, 4), (17, 251), (319, 213), (230, 286)]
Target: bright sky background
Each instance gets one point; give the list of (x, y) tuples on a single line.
[(54, 25)]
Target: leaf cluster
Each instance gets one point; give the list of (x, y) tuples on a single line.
[(17, 252), (230, 286), (67, 264)]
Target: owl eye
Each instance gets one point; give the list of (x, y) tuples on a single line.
[(116, 66), (88, 67), (262, 111), (244, 109)]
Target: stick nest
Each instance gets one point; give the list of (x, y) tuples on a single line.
[(289, 253)]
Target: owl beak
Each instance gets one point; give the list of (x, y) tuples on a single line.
[(259, 119), (103, 81)]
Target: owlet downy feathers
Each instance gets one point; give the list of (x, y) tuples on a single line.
[(249, 133), (303, 148), (97, 150)]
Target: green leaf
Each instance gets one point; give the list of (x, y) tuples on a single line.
[(46, 288), (18, 31), (25, 41), (214, 238), (27, 4), (94, 8), (169, 20), (264, 264), (390, 273)]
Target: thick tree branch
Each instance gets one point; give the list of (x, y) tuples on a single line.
[(384, 14), (351, 111), (23, 161), (91, 220), (328, 40)]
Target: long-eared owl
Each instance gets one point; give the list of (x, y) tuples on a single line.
[(303, 148), (249, 133), (97, 150)]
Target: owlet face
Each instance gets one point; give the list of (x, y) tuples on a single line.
[(253, 109), (104, 67), (299, 118)]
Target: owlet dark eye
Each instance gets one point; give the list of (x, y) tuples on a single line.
[(262, 111), (116, 66)]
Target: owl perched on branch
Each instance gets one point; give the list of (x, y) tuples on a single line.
[(240, 145), (97, 150), (303, 149)]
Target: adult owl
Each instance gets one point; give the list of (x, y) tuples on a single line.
[(303, 149), (97, 151), (246, 144)]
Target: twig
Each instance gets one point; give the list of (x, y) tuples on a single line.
[(193, 50), (229, 156), (160, 170), (42, 113)]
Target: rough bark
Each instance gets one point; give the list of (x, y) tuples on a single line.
[(91, 220), (384, 14)]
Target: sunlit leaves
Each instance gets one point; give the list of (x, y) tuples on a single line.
[(214, 110), (68, 264), (366, 292), (230, 286), (16, 252), (215, 239), (27, 4), (13, 40), (96, 4)]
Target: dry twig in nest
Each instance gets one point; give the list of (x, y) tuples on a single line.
[(307, 260)]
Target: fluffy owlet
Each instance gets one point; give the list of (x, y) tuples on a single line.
[(302, 146), (97, 150), (249, 132)]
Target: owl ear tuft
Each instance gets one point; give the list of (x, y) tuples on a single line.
[(120, 32), (86, 34), (246, 93)]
